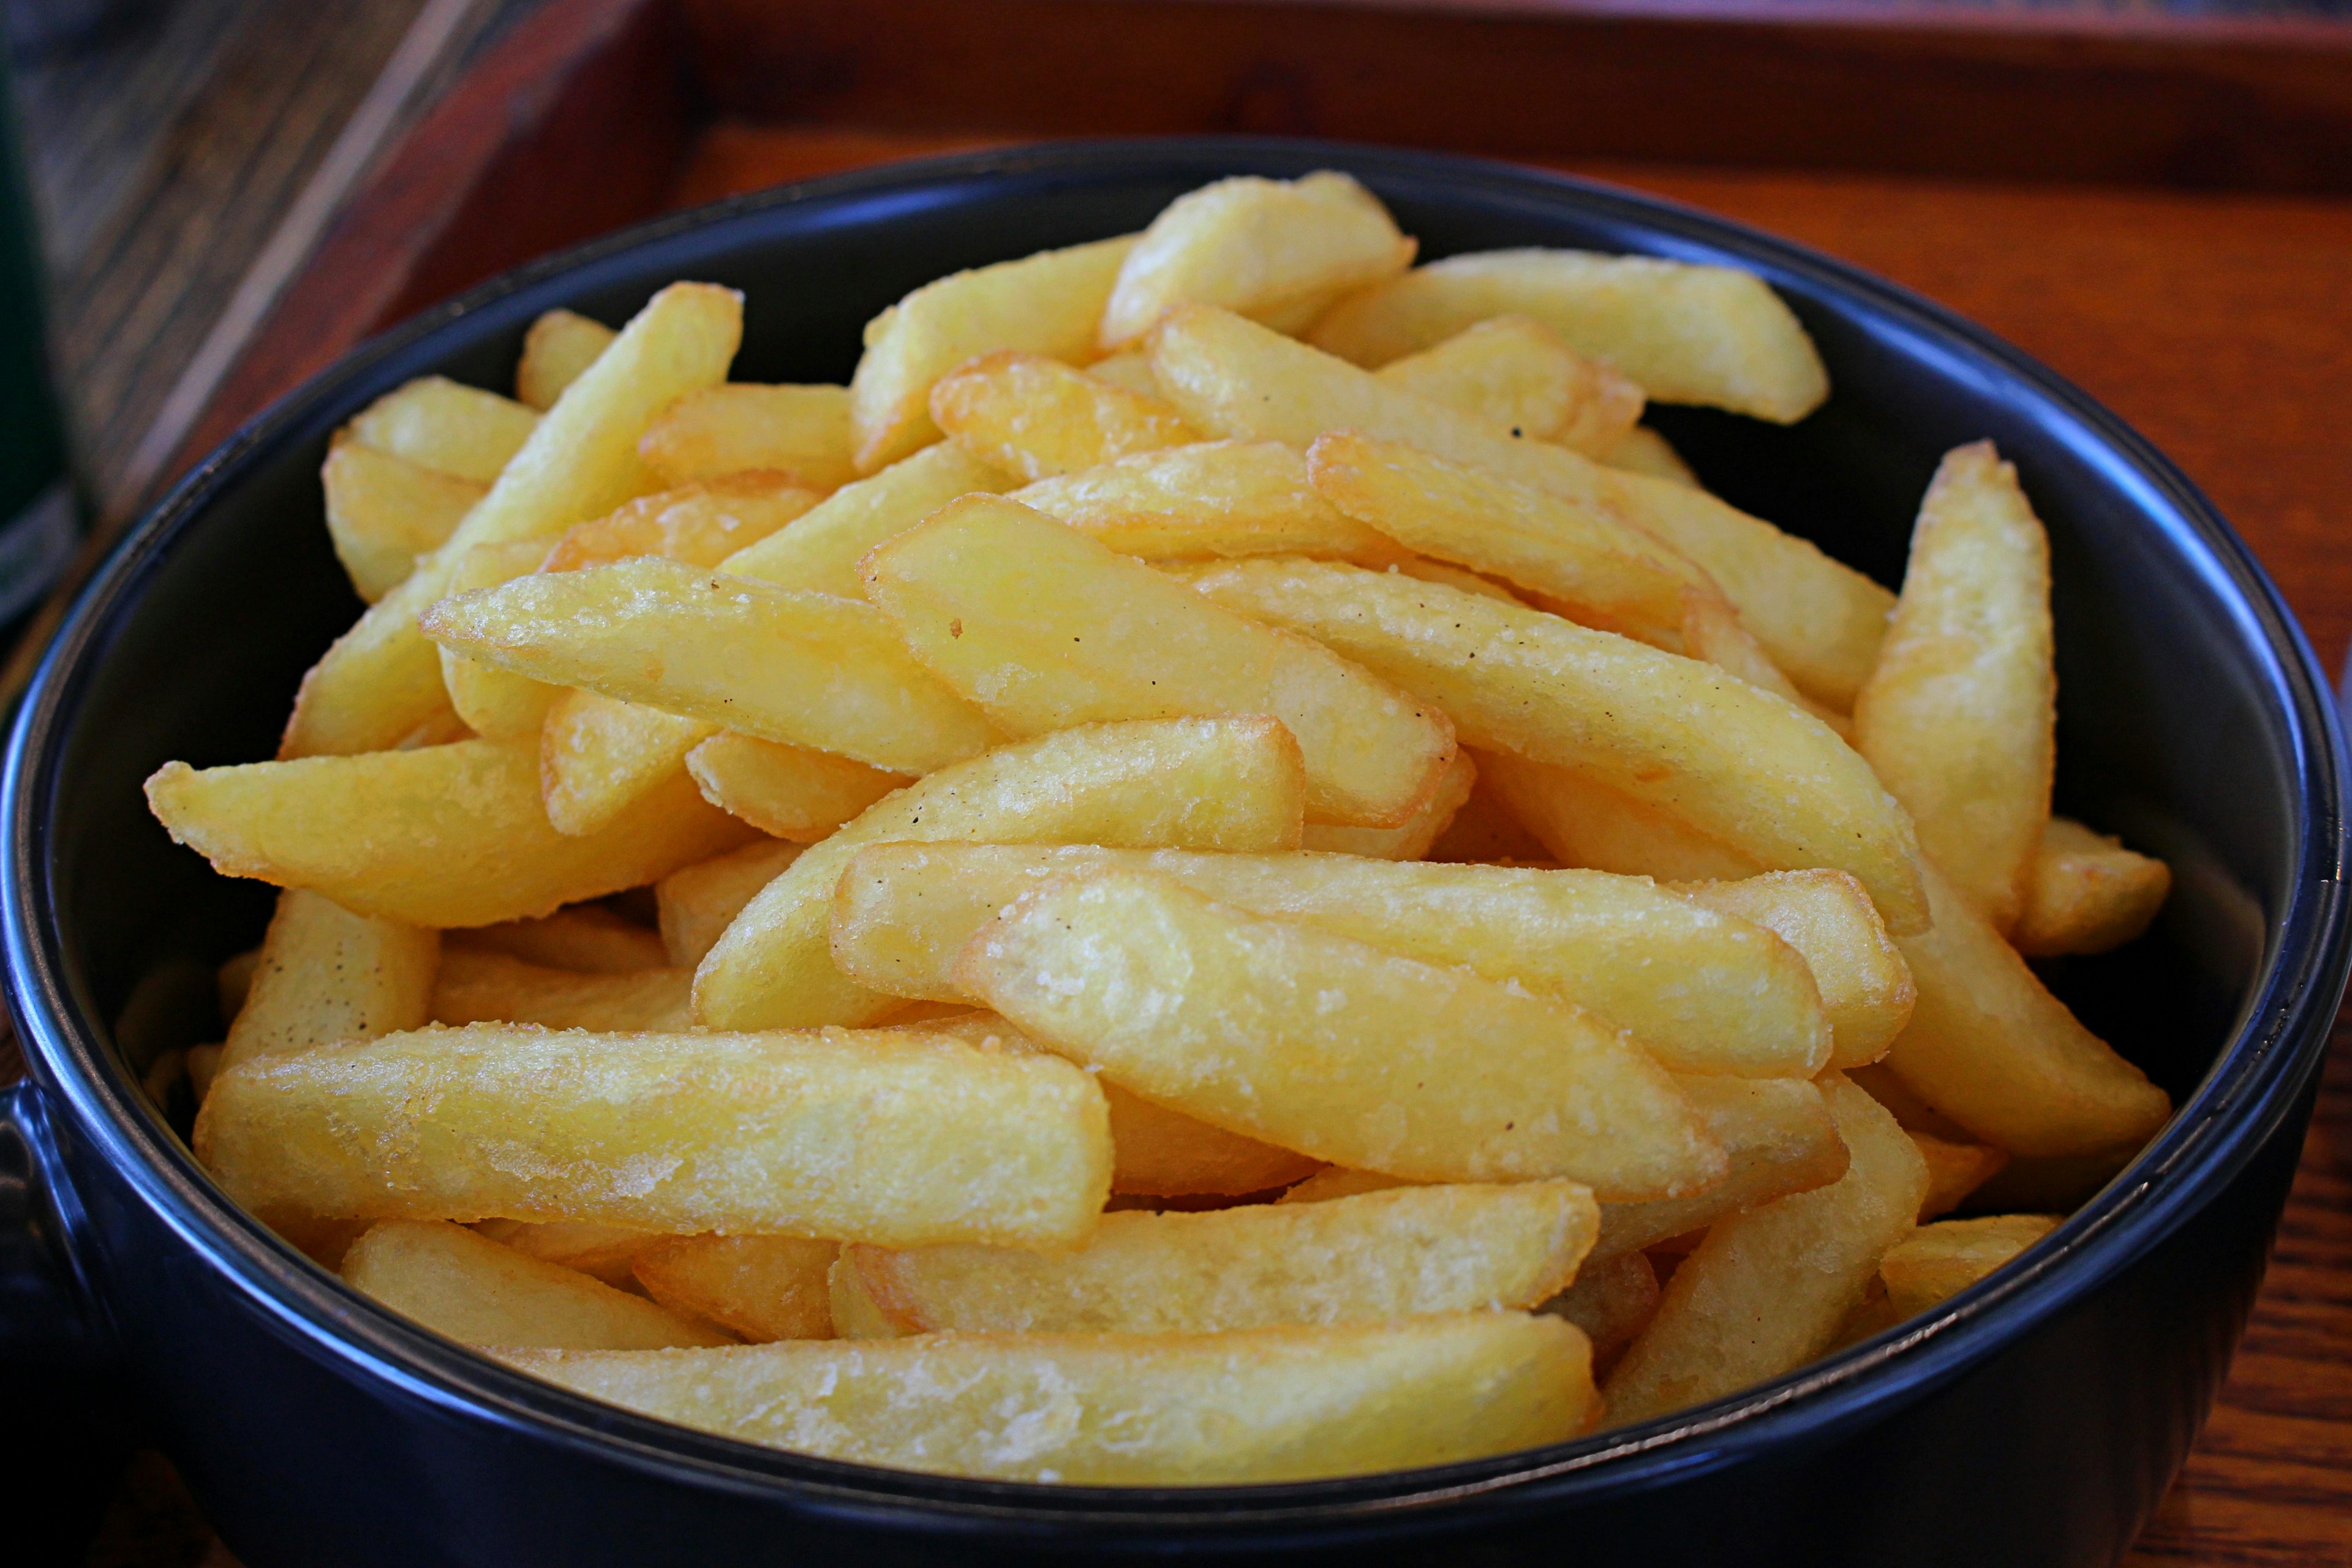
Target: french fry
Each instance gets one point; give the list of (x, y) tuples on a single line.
[(2085, 893), (895, 1139), (1037, 417), (1385, 1063), (1612, 1302), (1961, 715), (1915, 1114), (760, 1288), (1686, 333), (1953, 1171), (1700, 991), (1339, 1181), (1275, 251), (1580, 821), (1938, 1262), (494, 703), (702, 522), (1405, 1252), (1208, 498), (586, 939), (786, 792), (376, 684), (472, 1289), (1741, 766), (476, 987), (1643, 450), (1203, 783), (1257, 1405), (1410, 841), (1421, 569), (605, 1252), (597, 754), (383, 511), (325, 974), (1047, 303), (716, 430), (1516, 373), (1770, 1288), (560, 345), (801, 667), (1043, 628), (1865, 988), (1820, 621), (1990, 1047), (1130, 369), (820, 551), (443, 425), (1779, 1136), (699, 903), (444, 835)]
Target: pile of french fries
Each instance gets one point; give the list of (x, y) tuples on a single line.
[(1220, 870)]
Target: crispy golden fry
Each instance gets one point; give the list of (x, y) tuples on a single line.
[(476, 987), (702, 523), (1410, 841), (495, 704), (1580, 820), (439, 423), (1643, 450), (325, 974), (1938, 1262), (605, 1252), (1257, 1405), (1275, 251), (820, 551), (597, 754), (2085, 893), (1779, 1137), (1953, 1171), (1820, 621), (1043, 628), (1131, 370), (1516, 373), (779, 664), (1961, 715), (1990, 1047), (1701, 990), (787, 792), (560, 345), (1865, 987), (1385, 1062), (1612, 1302), (1710, 335), (587, 939), (1676, 735), (376, 684), (383, 512), (699, 903), (1048, 303), (1408, 1252), (760, 1288), (1769, 1289), (470, 1289), (889, 1138), (1208, 498), (1201, 783), (444, 835), (1037, 417), (802, 431)]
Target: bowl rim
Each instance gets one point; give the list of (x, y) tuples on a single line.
[(2255, 1083)]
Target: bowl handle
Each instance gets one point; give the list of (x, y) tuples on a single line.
[(49, 1318)]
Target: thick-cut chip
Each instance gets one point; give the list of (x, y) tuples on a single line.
[(378, 683), (1938, 1262), (782, 665), (1865, 987), (1037, 418), (1779, 1137), (495, 704), (1043, 628), (1408, 1252), (1411, 840), (1048, 303), (1516, 371), (802, 431), (1643, 450), (476, 987), (325, 974), (1383, 1061), (1208, 498), (440, 423), (1821, 622), (1953, 1171), (1257, 1405), (587, 939), (1580, 820), (1131, 370), (1769, 1289), (597, 754), (559, 346), (2085, 893), (1275, 250), (1612, 1302), (786, 792), (762, 1287), (1199, 783), (1961, 715), (603, 1252), (699, 903), (1990, 1047), (898, 1139), (1687, 333), (472, 1289), (820, 551), (383, 512), (443, 836), (1678, 735), (702, 523), (1701, 990)]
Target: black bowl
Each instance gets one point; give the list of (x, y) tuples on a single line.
[(2034, 1419)]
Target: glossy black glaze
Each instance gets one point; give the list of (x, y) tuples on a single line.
[(2033, 1420)]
